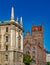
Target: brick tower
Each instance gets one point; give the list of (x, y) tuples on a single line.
[(34, 45)]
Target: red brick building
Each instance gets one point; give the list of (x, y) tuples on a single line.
[(34, 45)]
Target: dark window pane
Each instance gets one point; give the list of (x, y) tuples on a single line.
[(5, 64), (6, 38), (6, 47), (33, 61), (6, 29), (27, 52), (33, 56), (33, 52), (27, 48), (6, 57), (33, 48)]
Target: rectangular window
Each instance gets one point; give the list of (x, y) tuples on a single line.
[(6, 29), (33, 56), (33, 52), (6, 47), (33, 48), (6, 64), (33, 61), (6, 38), (0, 39), (19, 47), (27, 52), (6, 57), (0, 46)]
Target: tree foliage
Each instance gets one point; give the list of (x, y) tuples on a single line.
[(27, 59), (48, 63)]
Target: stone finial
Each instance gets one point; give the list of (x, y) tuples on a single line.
[(21, 21), (17, 19), (12, 13)]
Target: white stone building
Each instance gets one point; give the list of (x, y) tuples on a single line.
[(11, 41)]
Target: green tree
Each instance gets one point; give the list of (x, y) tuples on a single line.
[(27, 59), (48, 63)]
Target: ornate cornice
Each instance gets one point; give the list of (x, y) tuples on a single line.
[(13, 23)]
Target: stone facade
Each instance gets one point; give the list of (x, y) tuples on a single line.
[(33, 45), (11, 42), (47, 56)]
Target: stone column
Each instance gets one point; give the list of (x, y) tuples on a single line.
[(22, 42), (16, 40), (13, 37), (11, 58)]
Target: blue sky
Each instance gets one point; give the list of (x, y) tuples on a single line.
[(36, 11)]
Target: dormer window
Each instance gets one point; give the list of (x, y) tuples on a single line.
[(6, 29)]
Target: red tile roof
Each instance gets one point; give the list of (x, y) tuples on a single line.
[(34, 28)]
